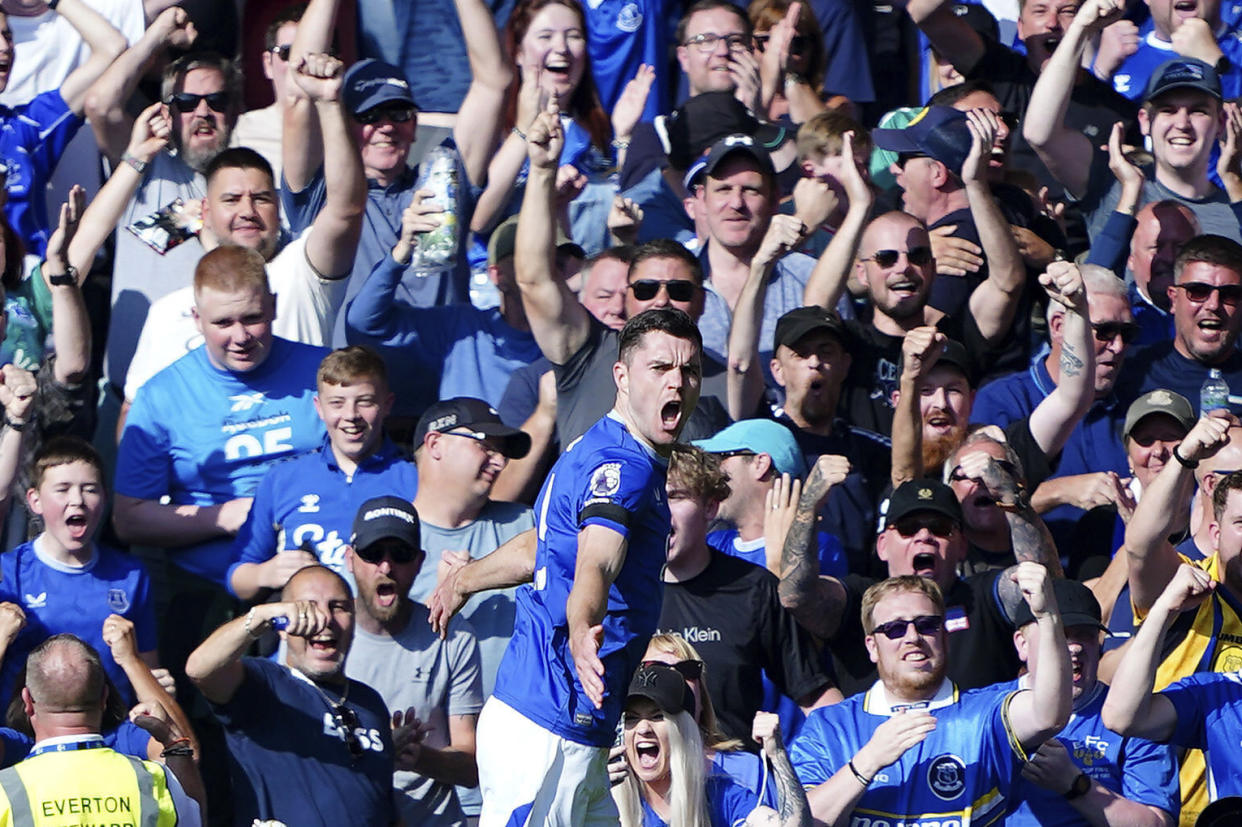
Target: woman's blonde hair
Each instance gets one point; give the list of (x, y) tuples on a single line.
[(687, 769)]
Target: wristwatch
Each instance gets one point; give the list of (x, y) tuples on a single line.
[(65, 279), (1079, 788)]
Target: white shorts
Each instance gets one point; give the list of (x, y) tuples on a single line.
[(528, 775)]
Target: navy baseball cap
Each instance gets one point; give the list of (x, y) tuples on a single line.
[(385, 518), (1075, 603), (737, 145), (370, 83), (937, 132), (1183, 73), (704, 119)]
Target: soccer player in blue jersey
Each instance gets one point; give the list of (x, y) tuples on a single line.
[(303, 508), (914, 745)]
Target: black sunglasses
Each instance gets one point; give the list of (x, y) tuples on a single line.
[(736, 452), (282, 52), (925, 625), (918, 256), (679, 290), (396, 114), (395, 551), (1108, 331), (346, 721), (938, 525), (691, 670), (1199, 291), (188, 101)]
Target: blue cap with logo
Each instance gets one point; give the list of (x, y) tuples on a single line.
[(762, 436), (938, 132), (1183, 73), (370, 83)]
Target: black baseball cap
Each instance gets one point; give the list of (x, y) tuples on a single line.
[(704, 119), (385, 518), (665, 686), (923, 495), (938, 132), (1075, 602), (802, 321), (1183, 73), (477, 416), (954, 354)]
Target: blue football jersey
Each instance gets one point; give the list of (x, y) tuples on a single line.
[(1209, 717), (961, 772), (621, 36), (203, 436), (1131, 77), (605, 478)]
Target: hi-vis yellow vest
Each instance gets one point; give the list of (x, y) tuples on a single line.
[(85, 788)]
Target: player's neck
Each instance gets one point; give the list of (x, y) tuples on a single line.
[(622, 412)]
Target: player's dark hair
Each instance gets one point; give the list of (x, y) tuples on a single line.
[(238, 157), (1209, 249), (668, 320), (708, 5), (666, 248), (289, 14), (347, 365), (64, 450)]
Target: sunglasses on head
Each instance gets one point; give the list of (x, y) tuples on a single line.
[(938, 525), (925, 625), (346, 721), (188, 101), (1108, 331), (1199, 291), (918, 256), (282, 52), (395, 551), (679, 290), (691, 670), (396, 114)]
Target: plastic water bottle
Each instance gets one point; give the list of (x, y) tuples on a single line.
[(1214, 395), (437, 249)]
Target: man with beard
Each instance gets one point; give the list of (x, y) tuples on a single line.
[(912, 745), (1204, 298), (307, 745), (393, 642)]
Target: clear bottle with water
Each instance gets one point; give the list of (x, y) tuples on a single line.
[(437, 249), (1214, 394)]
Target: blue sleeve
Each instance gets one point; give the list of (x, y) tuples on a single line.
[(144, 464), (848, 71), (256, 541), (373, 314), (811, 753), (142, 614), (615, 490), (16, 746), (1149, 775), (1111, 247), (55, 124), (729, 802), (300, 208), (1191, 696), (129, 739)]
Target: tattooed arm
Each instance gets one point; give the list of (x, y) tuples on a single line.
[(815, 602), (1055, 418), (790, 797)]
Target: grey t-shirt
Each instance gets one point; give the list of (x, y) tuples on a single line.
[(438, 678), (1103, 191)]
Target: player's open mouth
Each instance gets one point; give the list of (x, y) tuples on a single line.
[(670, 414), (648, 753)]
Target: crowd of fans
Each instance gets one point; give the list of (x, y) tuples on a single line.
[(654, 411)]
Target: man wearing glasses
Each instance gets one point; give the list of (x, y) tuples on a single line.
[(914, 745), (307, 745)]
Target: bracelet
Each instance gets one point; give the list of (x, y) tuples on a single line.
[(139, 165), (14, 426), (185, 739), (518, 132), (185, 751), (249, 621), (862, 779), (619, 144), (1182, 461)]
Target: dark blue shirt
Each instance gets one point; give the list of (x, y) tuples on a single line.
[(1161, 366)]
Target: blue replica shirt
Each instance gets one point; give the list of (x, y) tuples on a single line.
[(963, 770), (728, 803), (471, 352), (59, 598), (621, 36), (1131, 77), (1209, 717), (203, 436), (605, 478), (1134, 768), (127, 738), (287, 752), (32, 138), (310, 500), (832, 557)]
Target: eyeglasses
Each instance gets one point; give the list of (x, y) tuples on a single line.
[(938, 525), (707, 41), (918, 256), (188, 101), (398, 552), (395, 114), (925, 625), (1005, 465), (1197, 292), (679, 290), (480, 438), (737, 452), (282, 52), (346, 721), (1109, 331), (797, 44), (691, 670)]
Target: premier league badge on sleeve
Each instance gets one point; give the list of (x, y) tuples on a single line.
[(606, 480)]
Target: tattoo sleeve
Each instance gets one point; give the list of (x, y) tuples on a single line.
[(1031, 541), (1071, 364), (790, 796), (815, 602)]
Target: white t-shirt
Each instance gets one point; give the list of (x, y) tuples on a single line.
[(306, 308)]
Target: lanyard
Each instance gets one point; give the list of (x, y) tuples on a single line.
[(89, 743)]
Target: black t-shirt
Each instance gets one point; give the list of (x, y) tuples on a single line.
[(980, 636), (732, 614)]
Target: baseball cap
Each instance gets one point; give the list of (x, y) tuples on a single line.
[(801, 321), (384, 518), (665, 686), (939, 132), (1159, 401), (501, 243), (369, 83), (1183, 73), (923, 495), (706, 118), (737, 145), (478, 417), (763, 436), (954, 354), (1076, 603)]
